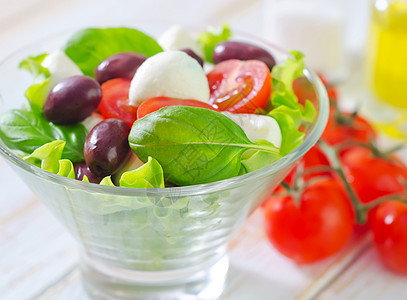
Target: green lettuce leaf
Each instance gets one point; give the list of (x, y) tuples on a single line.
[(66, 168), (288, 112), (106, 181), (48, 158), (38, 91), (291, 136), (211, 37), (149, 175), (88, 47)]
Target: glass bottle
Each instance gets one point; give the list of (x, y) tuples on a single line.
[(386, 63)]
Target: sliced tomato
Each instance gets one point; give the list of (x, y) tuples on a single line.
[(155, 103), (115, 101), (239, 86)]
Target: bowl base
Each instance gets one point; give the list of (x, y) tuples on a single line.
[(203, 282)]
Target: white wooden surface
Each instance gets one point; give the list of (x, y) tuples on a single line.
[(38, 259)]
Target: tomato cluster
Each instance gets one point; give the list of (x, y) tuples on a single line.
[(342, 185)]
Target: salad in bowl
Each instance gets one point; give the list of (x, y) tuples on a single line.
[(152, 152)]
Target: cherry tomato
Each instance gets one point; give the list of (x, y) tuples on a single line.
[(115, 101), (345, 127), (372, 177), (318, 227), (314, 158), (239, 86), (156, 103), (304, 90), (389, 227)]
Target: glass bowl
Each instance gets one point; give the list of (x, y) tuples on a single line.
[(151, 243)]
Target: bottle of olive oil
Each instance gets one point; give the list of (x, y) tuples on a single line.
[(386, 65), (387, 52)]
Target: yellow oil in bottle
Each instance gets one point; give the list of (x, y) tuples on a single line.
[(387, 52), (386, 68)]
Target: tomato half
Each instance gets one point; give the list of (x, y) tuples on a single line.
[(115, 101), (239, 86), (155, 103)]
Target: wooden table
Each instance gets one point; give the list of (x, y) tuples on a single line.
[(38, 257)]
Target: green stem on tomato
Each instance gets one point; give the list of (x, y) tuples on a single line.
[(395, 197), (332, 156)]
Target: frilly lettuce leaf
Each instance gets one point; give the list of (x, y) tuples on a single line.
[(106, 181), (38, 91), (66, 168), (288, 112), (149, 175), (291, 136), (211, 37), (48, 157)]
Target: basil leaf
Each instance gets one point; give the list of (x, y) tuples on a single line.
[(88, 47), (149, 175), (26, 131), (193, 145), (211, 37)]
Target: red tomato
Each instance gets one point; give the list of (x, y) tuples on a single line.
[(115, 101), (156, 103), (312, 159), (318, 227), (389, 226), (372, 177), (304, 90), (239, 86), (344, 127)]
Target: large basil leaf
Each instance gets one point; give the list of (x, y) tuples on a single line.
[(27, 130), (193, 145), (88, 47)]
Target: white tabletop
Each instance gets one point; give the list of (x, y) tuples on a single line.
[(38, 257)]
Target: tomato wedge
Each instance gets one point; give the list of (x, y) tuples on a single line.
[(239, 86), (155, 103), (115, 101)]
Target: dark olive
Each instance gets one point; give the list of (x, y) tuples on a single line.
[(106, 147), (72, 100), (82, 169), (193, 55), (242, 51), (120, 65)]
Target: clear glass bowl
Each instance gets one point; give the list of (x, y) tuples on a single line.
[(151, 243)]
